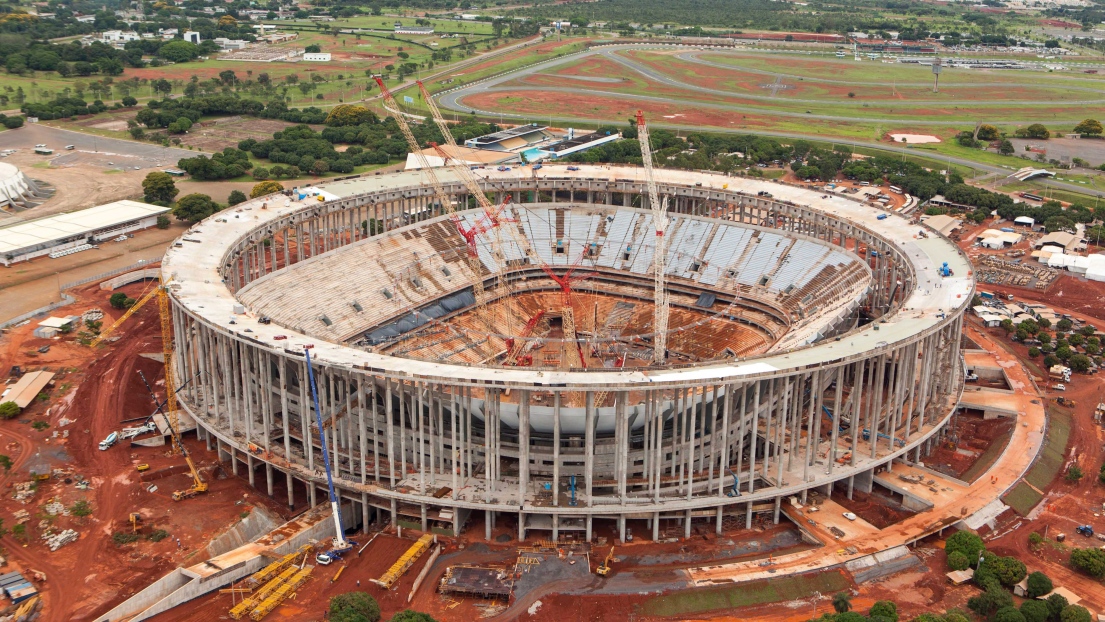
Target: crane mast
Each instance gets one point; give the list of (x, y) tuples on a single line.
[(335, 505), (659, 255), (446, 203)]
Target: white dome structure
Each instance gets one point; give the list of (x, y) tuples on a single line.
[(17, 190)]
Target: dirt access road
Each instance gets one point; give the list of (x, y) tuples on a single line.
[(95, 393)]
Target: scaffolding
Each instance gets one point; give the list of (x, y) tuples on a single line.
[(250, 603), (401, 565), (276, 567), (282, 593)]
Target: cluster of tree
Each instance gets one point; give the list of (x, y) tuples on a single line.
[(362, 607), (1089, 561), (67, 59), (62, 108), (159, 188), (11, 122), (1051, 213), (195, 207), (881, 611), (1036, 131), (228, 164)]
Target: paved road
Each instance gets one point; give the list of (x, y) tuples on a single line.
[(453, 100), (106, 152)]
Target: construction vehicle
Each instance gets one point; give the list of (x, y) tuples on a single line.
[(135, 518), (604, 567), (945, 270), (109, 441), (37, 575), (142, 467), (339, 545), (735, 492), (1086, 530), (198, 485)]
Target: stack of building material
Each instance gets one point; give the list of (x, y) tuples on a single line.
[(255, 599), (282, 593), (55, 542), (401, 565)]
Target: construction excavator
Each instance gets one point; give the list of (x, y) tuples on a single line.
[(604, 567), (198, 485)]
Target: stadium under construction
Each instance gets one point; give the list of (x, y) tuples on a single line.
[(514, 364)]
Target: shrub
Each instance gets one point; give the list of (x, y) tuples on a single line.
[(264, 188), (40, 425), (842, 602), (157, 535), (958, 561), (6, 462), (13, 122), (236, 197), (118, 300), (163, 221), (9, 410), (1089, 561), (120, 538), (1075, 613), (1074, 473), (411, 616), (1035, 539), (80, 509), (993, 599)]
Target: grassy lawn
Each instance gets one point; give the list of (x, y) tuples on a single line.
[(1089, 199), (702, 600), (1055, 448), (1022, 498)]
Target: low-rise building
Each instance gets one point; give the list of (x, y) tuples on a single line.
[(317, 57)]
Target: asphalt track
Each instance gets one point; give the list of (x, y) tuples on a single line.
[(453, 99)]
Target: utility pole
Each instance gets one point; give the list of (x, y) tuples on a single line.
[(936, 68)]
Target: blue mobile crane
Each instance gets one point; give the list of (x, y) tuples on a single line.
[(340, 545)]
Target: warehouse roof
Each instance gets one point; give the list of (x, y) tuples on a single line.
[(29, 386), (63, 226), (943, 224)]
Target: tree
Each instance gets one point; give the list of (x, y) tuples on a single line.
[(1033, 352), (1089, 561), (965, 542), (1006, 147), (261, 173), (1038, 584), (236, 197), (1008, 614), (1051, 361), (1035, 611), (1089, 127), (1037, 130), (358, 603), (5, 460), (411, 616), (348, 114), (1075, 613), (118, 300), (194, 208), (265, 187), (1008, 570), (178, 51), (9, 410), (1080, 363), (958, 561), (1063, 325), (159, 186), (1056, 603), (988, 132), (312, 49), (1064, 353), (13, 122), (842, 602), (993, 599), (885, 610)]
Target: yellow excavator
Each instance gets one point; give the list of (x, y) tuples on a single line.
[(604, 567)]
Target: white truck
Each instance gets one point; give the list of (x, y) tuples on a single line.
[(109, 441)]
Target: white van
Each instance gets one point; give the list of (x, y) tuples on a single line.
[(70, 147)]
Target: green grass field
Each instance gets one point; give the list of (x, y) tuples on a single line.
[(1052, 455), (702, 600), (1022, 498), (987, 459)]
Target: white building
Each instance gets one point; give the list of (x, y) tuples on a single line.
[(231, 44), (318, 57), (192, 36), (414, 30), (44, 236), (119, 36)]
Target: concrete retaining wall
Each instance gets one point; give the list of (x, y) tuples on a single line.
[(258, 523), (181, 585), (131, 277)]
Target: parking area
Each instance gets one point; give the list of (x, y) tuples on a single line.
[(88, 149)]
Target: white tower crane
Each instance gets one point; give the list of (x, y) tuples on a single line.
[(659, 255)]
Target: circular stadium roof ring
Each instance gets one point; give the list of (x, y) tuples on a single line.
[(786, 311)]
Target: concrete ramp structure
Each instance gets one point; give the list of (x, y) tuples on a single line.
[(184, 584)]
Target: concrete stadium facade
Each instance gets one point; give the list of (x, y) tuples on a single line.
[(430, 442)]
